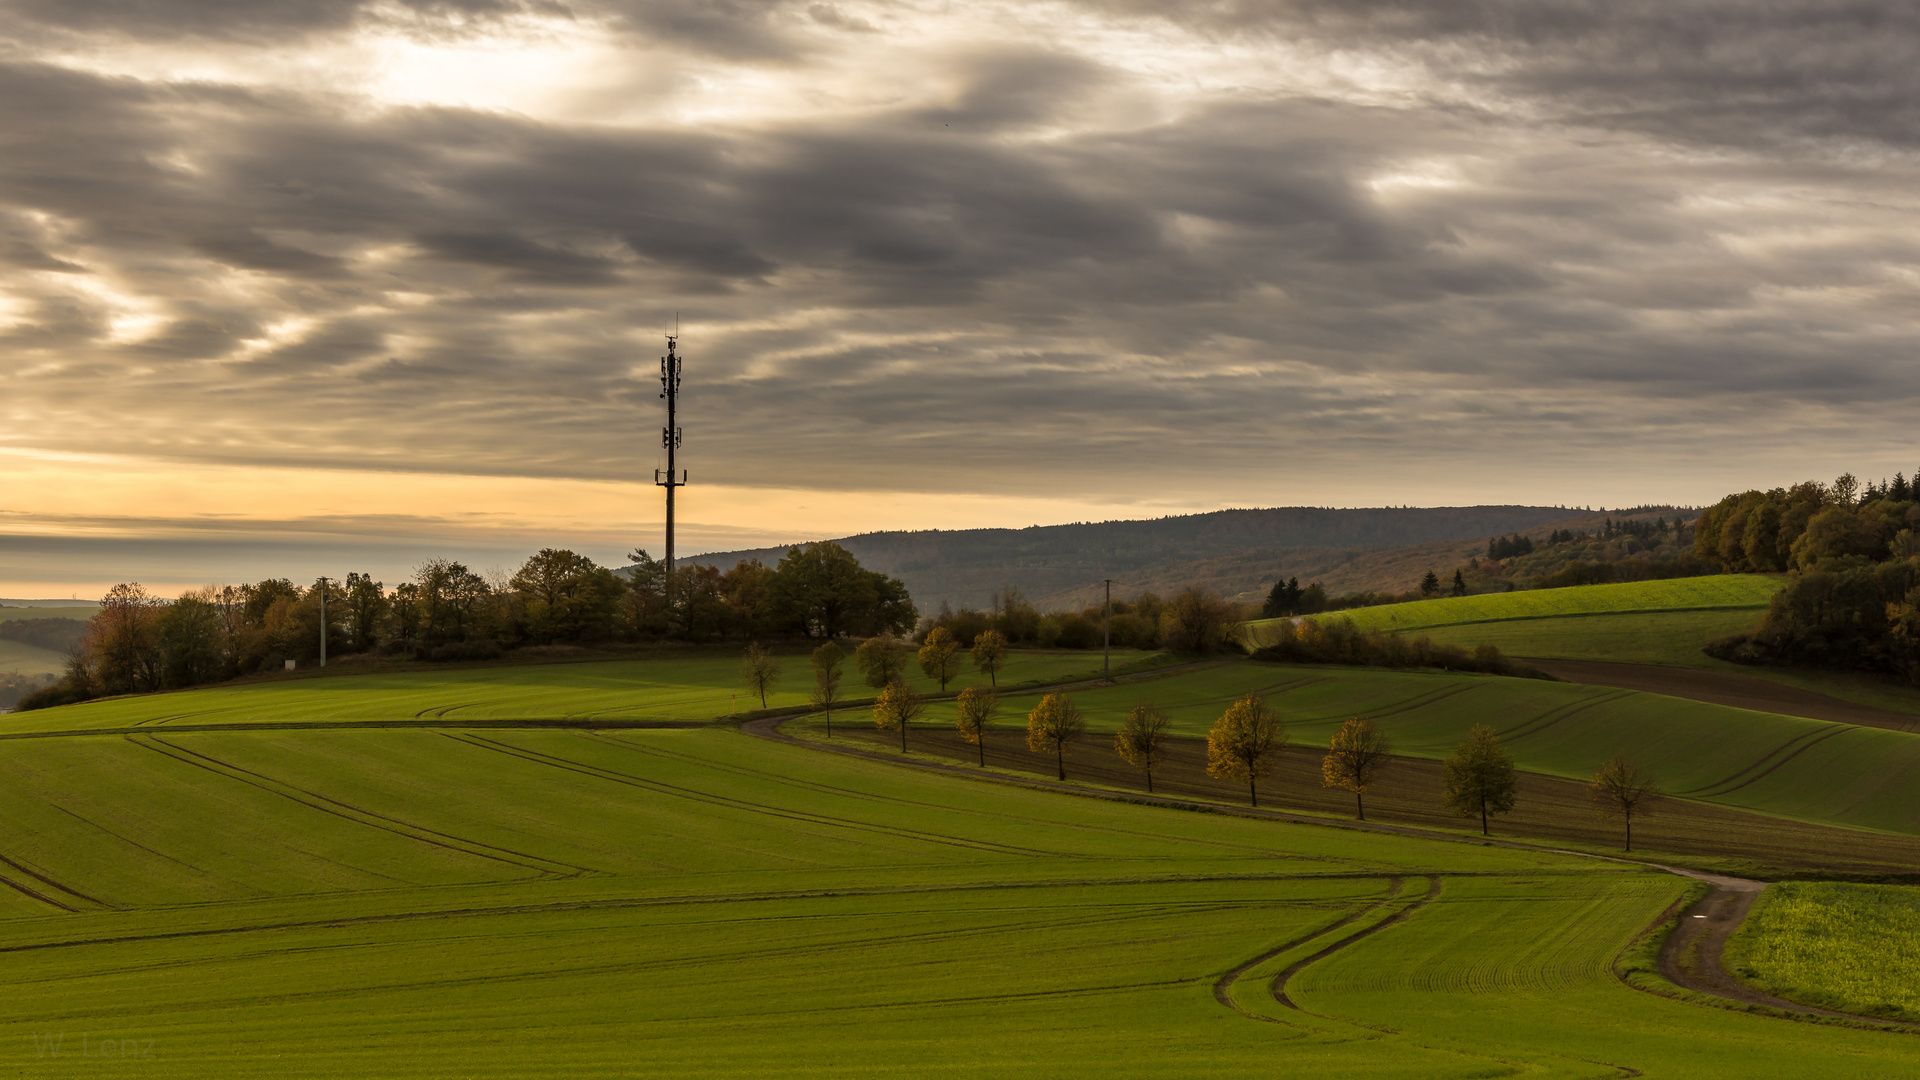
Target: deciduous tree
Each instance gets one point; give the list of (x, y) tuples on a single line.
[(977, 708), (940, 656), (881, 660), (1480, 777), (897, 706), (1622, 789), (826, 680), (1052, 724), (1142, 738), (758, 669), (990, 654), (1354, 760), (1196, 621), (1243, 742)]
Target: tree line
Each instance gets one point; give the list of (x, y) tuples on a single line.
[(1851, 553), (1193, 621), (1243, 745), (137, 642)]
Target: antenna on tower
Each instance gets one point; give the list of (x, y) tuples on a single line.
[(670, 435)]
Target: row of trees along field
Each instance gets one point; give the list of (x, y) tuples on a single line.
[(1242, 746), (1852, 558), (137, 642)]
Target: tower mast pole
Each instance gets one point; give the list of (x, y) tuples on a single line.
[(670, 437)]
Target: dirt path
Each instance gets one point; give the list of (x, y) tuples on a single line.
[(1726, 688), (1692, 955)]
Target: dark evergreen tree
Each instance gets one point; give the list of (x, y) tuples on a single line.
[(1430, 585), (1459, 584)]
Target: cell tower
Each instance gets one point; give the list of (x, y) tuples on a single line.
[(670, 436)]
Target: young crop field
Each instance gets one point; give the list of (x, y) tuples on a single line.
[(703, 687), (697, 902), (1719, 592), (81, 612), (27, 659), (1854, 948), (1756, 761), (1672, 638)]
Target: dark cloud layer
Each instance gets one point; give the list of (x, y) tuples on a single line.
[(1624, 232)]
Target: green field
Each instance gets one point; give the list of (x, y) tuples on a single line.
[(1854, 948), (1745, 592), (1758, 761), (29, 659), (81, 612), (699, 903), (702, 687), (1671, 639)]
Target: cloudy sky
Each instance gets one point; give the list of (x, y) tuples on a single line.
[(303, 286)]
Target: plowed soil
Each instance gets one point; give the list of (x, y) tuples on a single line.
[(1726, 688), (1410, 792)]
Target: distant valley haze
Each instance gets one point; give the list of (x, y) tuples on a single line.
[(303, 289)]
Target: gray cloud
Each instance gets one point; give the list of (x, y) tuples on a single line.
[(1597, 232)]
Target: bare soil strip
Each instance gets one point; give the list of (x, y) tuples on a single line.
[(1726, 688)]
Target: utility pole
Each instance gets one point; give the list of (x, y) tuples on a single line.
[(1106, 633), (670, 437), (323, 622)]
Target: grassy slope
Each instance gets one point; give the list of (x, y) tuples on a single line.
[(1649, 622), (29, 659), (1563, 729), (696, 688), (1723, 591), (698, 903), (1850, 947), (83, 613)]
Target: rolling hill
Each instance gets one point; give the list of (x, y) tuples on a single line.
[(1238, 553)]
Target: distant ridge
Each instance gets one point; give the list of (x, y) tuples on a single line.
[(1061, 564)]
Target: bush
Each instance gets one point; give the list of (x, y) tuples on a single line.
[(47, 697), (1339, 641), (460, 650)]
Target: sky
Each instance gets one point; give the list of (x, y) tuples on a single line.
[(291, 287)]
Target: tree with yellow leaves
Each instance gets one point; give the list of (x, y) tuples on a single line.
[(940, 656), (1052, 724), (977, 706), (1354, 760), (989, 654), (1142, 738), (1243, 743), (897, 706)]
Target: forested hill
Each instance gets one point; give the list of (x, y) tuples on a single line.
[(1048, 562)]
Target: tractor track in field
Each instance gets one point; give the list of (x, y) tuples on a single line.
[(1223, 986), (1726, 688), (1772, 761), (1279, 985), (313, 800), (1558, 715)]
